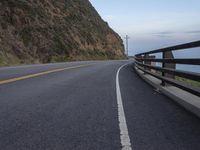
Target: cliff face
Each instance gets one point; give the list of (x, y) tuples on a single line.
[(43, 31)]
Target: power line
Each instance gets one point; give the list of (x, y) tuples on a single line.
[(127, 38)]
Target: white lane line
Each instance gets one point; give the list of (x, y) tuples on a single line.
[(124, 136)]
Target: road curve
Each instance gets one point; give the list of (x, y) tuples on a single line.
[(77, 109)]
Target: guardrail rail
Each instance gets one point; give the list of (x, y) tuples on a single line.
[(167, 73)]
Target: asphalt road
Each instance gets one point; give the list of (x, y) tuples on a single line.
[(77, 109)]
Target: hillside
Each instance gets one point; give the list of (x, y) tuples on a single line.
[(42, 31)]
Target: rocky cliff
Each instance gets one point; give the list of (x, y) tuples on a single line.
[(41, 31)]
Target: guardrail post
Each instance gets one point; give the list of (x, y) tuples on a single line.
[(169, 55), (145, 56), (163, 66)]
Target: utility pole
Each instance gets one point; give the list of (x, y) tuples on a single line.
[(127, 37)]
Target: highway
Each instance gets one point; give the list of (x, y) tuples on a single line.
[(89, 105)]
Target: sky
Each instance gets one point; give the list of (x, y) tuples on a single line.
[(153, 24)]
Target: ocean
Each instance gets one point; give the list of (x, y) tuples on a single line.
[(186, 53)]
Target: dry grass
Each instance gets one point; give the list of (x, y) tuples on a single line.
[(188, 81), (58, 30)]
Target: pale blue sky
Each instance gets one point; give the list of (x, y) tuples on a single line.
[(152, 24)]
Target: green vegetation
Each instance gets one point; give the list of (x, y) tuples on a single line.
[(25, 34), (52, 31), (191, 82), (1, 62), (7, 59)]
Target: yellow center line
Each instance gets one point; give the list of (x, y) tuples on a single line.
[(40, 74)]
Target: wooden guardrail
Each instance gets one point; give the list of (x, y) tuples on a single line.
[(168, 72)]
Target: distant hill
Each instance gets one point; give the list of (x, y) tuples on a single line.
[(42, 31)]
